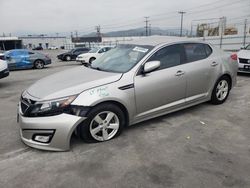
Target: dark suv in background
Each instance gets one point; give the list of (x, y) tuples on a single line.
[(72, 54)]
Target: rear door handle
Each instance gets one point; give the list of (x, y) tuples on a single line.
[(214, 64), (179, 73)]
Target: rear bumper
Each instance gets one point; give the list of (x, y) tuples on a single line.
[(4, 73), (59, 128), (47, 61), (244, 70)]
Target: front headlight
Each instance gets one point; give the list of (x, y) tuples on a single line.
[(52, 107)]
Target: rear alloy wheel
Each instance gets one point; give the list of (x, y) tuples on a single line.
[(67, 58), (221, 90), (39, 64), (104, 122)]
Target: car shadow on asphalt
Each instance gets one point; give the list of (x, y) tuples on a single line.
[(29, 69), (163, 118), (3, 84), (241, 74), (77, 142)]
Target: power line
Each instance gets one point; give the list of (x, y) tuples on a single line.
[(133, 22), (191, 13), (208, 7), (220, 2)]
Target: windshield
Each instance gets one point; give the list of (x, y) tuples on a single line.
[(121, 59), (248, 47), (94, 50), (71, 51)]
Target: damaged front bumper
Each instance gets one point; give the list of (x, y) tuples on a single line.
[(48, 133)]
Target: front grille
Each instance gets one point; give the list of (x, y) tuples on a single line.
[(245, 61)]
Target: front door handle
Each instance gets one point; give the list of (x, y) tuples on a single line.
[(214, 64), (179, 73)]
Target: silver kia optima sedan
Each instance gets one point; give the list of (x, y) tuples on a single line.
[(131, 83)]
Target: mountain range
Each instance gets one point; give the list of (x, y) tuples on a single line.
[(141, 32)]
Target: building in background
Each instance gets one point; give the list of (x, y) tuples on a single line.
[(44, 41), (9, 43)]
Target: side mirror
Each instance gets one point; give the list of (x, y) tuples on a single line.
[(151, 66)]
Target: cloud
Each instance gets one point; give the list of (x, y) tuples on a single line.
[(51, 16)]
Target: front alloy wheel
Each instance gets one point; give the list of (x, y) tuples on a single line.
[(104, 126), (104, 122)]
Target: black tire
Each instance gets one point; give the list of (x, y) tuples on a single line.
[(39, 64), (84, 127), (91, 59), (214, 98), (67, 58)]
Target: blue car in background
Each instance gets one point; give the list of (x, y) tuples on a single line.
[(25, 59)]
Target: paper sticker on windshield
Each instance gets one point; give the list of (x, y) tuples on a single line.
[(140, 49)]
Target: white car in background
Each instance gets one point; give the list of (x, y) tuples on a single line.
[(1, 56), (52, 48), (93, 54), (4, 71), (244, 59)]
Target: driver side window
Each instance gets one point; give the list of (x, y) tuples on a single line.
[(169, 56)]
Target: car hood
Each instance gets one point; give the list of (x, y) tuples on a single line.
[(245, 54), (70, 82)]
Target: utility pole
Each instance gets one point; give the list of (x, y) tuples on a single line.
[(181, 12), (146, 27), (149, 29), (245, 33), (76, 34), (191, 32), (98, 30), (222, 26)]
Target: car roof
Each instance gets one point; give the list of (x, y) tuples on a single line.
[(159, 40)]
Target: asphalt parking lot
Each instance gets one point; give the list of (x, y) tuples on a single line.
[(203, 146)]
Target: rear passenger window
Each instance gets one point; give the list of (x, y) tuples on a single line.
[(169, 56), (208, 50), (195, 52)]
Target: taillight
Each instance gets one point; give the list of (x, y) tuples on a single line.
[(234, 57)]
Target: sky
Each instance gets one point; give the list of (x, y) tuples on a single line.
[(21, 17)]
